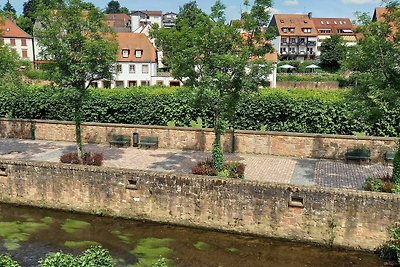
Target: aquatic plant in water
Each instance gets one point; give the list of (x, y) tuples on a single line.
[(13, 233), (201, 245), (72, 226), (124, 237), (149, 250)]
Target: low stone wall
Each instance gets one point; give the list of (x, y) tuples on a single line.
[(325, 216), (255, 142), (308, 85)]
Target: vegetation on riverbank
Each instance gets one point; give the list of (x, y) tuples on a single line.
[(94, 256)]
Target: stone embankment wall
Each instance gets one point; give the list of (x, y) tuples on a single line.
[(347, 218), (256, 142), (308, 85)]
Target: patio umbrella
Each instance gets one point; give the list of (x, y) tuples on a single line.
[(287, 67), (313, 67)]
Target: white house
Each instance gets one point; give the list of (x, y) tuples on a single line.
[(18, 39), (145, 18), (136, 64)]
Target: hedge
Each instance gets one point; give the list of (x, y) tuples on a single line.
[(305, 111)]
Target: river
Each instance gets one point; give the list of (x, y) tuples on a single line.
[(28, 234)]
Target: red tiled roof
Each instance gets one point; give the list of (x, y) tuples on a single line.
[(379, 14), (135, 41), (117, 20), (10, 30), (296, 21), (149, 12), (334, 24)]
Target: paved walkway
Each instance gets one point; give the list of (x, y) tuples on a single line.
[(258, 167)]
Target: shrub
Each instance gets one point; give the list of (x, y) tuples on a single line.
[(381, 184), (311, 111), (391, 250), (233, 170), (396, 167), (94, 159), (6, 261)]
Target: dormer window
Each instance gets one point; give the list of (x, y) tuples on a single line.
[(284, 29), (291, 29), (138, 53), (327, 22), (8, 29), (125, 53), (307, 30), (282, 21), (322, 22)]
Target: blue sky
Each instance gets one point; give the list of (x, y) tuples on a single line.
[(320, 8)]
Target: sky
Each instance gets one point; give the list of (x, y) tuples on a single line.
[(319, 8)]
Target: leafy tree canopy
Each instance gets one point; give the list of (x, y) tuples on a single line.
[(80, 46), (207, 54), (333, 51), (114, 7)]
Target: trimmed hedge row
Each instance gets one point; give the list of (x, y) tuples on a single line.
[(305, 111)]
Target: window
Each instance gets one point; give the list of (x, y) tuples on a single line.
[(284, 40), (145, 69), (12, 42), (291, 29), (106, 84), (94, 84), (322, 22), (1, 41), (284, 29), (125, 53), (341, 22), (282, 21), (174, 83), (307, 30), (24, 53), (119, 84), (131, 68), (145, 83), (327, 22), (119, 68), (132, 83), (161, 83), (138, 53), (23, 42)]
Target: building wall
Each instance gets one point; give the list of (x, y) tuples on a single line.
[(325, 216), (138, 76), (19, 48), (254, 142)]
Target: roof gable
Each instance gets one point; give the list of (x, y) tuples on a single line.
[(132, 42), (9, 30), (297, 22)]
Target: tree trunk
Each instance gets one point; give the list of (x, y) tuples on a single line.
[(217, 153), (78, 121)]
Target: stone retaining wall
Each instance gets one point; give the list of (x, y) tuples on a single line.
[(255, 142), (347, 218), (308, 85)]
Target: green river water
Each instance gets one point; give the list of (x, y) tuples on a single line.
[(28, 234)]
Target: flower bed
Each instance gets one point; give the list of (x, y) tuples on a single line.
[(90, 158), (232, 169)]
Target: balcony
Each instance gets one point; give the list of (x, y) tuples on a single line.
[(311, 43), (302, 43)]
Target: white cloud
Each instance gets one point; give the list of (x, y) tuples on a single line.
[(290, 2), (359, 2), (273, 10)]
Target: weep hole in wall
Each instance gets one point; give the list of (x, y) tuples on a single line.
[(296, 200), (3, 171), (132, 184)]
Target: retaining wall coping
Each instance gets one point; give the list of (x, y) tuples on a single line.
[(204, 179), (290, 134)]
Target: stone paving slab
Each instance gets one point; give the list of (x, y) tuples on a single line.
[(339, 174), (308, 172)]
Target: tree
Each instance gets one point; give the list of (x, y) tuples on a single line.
[(9, 8), (114, 7), (333, 51), (81, 48), (375, 65), (216, 60)]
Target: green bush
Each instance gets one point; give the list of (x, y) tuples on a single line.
[(35, 74), (391, 250), (305, 111), (6, 261)]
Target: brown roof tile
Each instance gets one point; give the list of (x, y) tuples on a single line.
[(296, 21), (9, 29), (379, 14), (136, 41), (335, 25), (149, 12)]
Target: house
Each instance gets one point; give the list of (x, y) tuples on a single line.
[(168, 20), (136, 64), (119, 22), (18, 39), (326, 27), (143, 19), (296, 36), (379, 14)]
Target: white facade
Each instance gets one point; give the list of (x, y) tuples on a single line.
[(23, 46), (140, 19)]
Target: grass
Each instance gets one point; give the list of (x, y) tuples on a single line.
[(81, 244), (125, 238)]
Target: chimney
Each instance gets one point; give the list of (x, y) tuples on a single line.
[(310, 15)]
